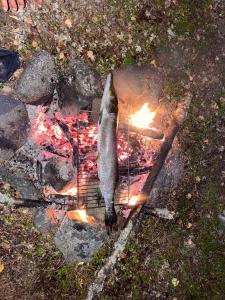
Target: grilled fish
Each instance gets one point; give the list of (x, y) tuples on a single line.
[(107, 152)]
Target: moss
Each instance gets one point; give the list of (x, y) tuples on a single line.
[(64, 277)]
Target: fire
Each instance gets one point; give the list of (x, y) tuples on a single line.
[(69, 190), (80, 215), (142, 118), (133, 200)]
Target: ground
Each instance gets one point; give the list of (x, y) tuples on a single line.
[(180, 259)]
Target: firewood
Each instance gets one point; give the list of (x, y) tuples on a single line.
[(150, 133)]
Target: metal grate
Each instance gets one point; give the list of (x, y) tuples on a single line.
[(131, 171)]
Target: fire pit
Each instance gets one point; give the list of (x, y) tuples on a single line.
[(56, 168)]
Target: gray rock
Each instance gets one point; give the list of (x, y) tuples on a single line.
[(57, 172), (135, 85), (78, 241), (5, 199), (41, 221), (14, 125), (20, 181), (79, 85), (168, 178), (38, 80)]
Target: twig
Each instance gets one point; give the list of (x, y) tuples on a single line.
[(66, 131)]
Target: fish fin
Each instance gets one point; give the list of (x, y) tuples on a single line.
[(110, 221)]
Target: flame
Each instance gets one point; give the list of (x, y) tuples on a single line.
[(69, 190), (80, 215), (142, 118), (133, 200)]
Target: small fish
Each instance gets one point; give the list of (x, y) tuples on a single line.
[(107, 152)]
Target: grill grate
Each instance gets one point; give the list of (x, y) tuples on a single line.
[(134, 165)]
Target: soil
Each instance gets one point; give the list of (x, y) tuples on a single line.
[(174, 259)]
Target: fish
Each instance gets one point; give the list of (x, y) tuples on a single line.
[(107, 161)]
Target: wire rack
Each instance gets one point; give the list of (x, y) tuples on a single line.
[(87, 182)]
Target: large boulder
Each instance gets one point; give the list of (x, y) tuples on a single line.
[(38, 80), (56, 172), (79, 85), (14, 125), (78, 241), (135, 85)]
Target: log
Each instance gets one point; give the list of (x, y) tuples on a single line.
[(151, 133)]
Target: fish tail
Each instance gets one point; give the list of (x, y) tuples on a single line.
[(110, 220)]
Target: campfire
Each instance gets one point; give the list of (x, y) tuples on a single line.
[(59, 136), (55, 166)]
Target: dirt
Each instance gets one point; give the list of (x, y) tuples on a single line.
[(179, 259)]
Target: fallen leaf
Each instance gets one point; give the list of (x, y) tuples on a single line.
[(94, 19), (153, 62), (90, 55), (189, 225), (16, 43), (80, 49), (69, 23), (61, 56), (34, 44), (175, 282), (28, 20), (17, 73), (1, 267)]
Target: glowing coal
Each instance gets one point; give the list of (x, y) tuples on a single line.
[(135, 152)]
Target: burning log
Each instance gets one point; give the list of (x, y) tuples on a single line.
[(147, 132), (14, 125)]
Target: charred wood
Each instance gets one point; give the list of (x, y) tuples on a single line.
[(153, 134)]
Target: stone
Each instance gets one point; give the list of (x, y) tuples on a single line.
[(38, 80), (168, 178), (14, 126), (79, 85), (135, 85), (78, 241), (20, 181), (5, 199), (41, 221), (57, 172)]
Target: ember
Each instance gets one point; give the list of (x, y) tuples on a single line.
[(75, 137)]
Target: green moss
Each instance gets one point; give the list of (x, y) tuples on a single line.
[(64, 277), (40, 250)]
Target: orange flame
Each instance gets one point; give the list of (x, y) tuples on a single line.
[(69, 190), (80, 215), (133, 200), (142, 118)]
